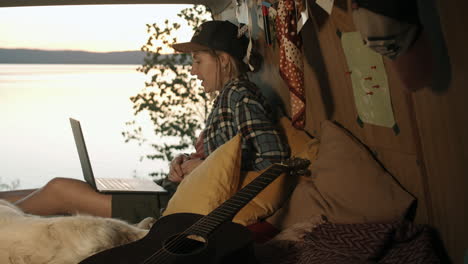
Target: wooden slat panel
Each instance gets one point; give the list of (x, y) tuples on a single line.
[(398, 152), (325, 74), (444, 147), (443, 126)]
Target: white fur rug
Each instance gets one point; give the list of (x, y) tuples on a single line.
[(28, 239)]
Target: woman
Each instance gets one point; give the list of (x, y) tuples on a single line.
[(218, 55)]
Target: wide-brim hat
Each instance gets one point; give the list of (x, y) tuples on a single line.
[(216, 35)]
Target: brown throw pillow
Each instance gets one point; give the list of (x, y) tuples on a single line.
[(347, 186)]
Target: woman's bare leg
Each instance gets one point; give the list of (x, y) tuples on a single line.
[(66, 196), (13, 196)]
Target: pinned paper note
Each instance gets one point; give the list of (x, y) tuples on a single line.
[(242, 12), (259, 13), (327, 5), (369, 80)]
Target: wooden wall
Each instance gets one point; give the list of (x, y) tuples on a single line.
[(397, 152), (442, 121), (330, 96), (428, 156)]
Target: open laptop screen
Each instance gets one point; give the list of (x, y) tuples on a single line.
[(83, 153)]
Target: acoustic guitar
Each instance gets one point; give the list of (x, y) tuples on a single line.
[(192, 238)]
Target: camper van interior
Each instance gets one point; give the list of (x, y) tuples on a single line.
[(372, 93)]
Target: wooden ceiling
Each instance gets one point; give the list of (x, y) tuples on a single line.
[(215, 5)]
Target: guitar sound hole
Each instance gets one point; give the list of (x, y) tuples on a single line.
[(183, 244)]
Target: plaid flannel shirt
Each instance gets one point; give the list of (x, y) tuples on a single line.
[(241, 108)]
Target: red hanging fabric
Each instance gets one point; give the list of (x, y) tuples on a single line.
[(291, 63)]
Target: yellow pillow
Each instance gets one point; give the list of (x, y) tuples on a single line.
[(211, 183), (218, 178)]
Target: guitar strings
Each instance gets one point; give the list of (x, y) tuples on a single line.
[(179, 240)]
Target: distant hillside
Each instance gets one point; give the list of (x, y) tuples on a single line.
[(70, 57)]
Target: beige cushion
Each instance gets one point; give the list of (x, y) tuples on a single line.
[(347, 186)]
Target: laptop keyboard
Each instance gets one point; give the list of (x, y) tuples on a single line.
[(115, 184)]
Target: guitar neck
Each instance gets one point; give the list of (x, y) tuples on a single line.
[(227, 210)]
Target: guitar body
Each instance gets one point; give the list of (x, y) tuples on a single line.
[(192, 238), (167, 242)]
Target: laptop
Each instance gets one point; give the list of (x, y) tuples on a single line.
[(108, 185)]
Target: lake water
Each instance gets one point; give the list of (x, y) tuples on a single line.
[(36, 101)]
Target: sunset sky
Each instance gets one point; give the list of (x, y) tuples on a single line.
[(100, 28)]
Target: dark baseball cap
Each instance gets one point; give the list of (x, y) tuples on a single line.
[(216, 35)]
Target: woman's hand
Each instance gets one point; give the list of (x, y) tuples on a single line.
[(176, 173), (189, 165)]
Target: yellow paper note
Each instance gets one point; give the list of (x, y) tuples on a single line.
[(369, 79)]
